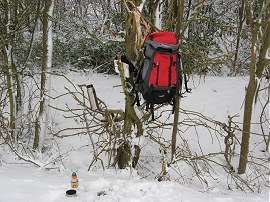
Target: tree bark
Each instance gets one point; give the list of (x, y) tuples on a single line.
[(8, 61), (131, 118), (251, 89), (239, 31), (175, 125), (41, 121), (262, 62), (252, 86), (178, 16)]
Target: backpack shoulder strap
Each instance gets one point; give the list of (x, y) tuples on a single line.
[(183, 76)]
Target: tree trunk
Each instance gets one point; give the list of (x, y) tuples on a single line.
[(9, 78), (262, 62), (42, 119), (251, 89), (124, 151), (175, 125), (131, 118), (8, 61), (250, 94), (239, 31), (178, 13)]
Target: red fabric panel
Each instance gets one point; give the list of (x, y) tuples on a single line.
[(163, 37), (173, 80), (153, 76), (160, 71), (173, 71)]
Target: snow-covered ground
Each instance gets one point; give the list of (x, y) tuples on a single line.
[(215, 97), (24, 184)]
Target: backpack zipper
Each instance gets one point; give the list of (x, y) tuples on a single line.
[(170, 70), (157, 73)]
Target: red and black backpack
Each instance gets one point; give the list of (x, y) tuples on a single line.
[(160, 74)]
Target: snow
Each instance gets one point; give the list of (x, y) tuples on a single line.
[(158, 18), (24, 183), (215, 97), (140, 8)]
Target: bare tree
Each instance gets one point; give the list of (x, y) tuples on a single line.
[(42, 118), (257, 24), (16, 19)]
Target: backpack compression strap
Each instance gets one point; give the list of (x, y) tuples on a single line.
[(150, 104)]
